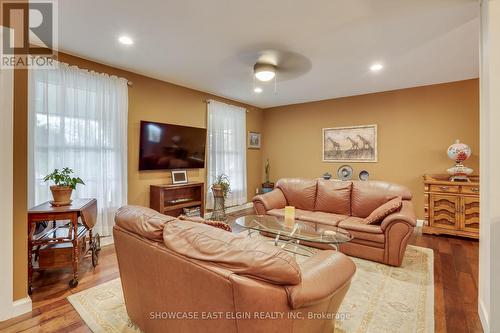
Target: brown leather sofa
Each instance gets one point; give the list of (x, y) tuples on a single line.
[(326, 203), (181, 276)]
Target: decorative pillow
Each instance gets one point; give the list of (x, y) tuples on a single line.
[(198, 219), (386, 209), (334, 196)]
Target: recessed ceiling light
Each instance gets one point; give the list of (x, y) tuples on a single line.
[(126, 40), (376, 67), (264, 72), (257, 90)]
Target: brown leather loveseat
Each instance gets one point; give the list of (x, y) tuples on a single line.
[(181, 276), (325, 203)]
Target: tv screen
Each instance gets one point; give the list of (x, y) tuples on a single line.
[(165, 146)]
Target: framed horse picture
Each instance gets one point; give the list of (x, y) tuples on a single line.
[(350, 144)]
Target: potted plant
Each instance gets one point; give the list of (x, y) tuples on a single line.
[(64, 185), (221, 187), (267, 186)]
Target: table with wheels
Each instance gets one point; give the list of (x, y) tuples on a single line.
[(64, 244)]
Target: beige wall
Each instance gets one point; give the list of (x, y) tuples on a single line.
[(415, 126), (20, 194), (149, 99)]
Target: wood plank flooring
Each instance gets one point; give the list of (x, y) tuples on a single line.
[(455, 281)]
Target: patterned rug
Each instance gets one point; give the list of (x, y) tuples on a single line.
[(381, 299)]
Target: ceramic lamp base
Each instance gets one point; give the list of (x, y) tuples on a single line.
[(459, 172)]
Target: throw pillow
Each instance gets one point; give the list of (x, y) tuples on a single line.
[(198, 219), (386, 209)]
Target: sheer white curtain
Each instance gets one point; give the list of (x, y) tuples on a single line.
[(78, 119), (227, 150)]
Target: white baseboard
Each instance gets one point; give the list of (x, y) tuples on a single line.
[(483, 316), (19, 307)]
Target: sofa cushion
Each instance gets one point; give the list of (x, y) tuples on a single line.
[(334, 197), (300, 193), (143, 221), (391, 206), (357, 224), (367, 196), (237, 253), (322, 217)]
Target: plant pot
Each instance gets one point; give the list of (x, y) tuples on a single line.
[(61, 195), (218, 191)]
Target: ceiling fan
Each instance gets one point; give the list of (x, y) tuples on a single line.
[(273, 63)]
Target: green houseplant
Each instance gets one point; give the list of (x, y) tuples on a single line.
[(221, 186), (65, 183), (267, 186)]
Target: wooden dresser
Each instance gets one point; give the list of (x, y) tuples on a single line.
[(451, 207)]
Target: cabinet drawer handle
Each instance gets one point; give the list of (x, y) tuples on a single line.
[(444, 188), (474, 189)]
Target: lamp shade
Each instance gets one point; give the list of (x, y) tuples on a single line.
[(264, 72)]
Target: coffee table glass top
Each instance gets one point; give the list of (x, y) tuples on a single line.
[(301, 231)]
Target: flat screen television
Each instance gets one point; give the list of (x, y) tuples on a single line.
[(168, 147)]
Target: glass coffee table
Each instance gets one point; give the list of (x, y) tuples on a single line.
[(292, 238)]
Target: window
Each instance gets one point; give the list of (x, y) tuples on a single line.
[(227, 150), (78, 119)]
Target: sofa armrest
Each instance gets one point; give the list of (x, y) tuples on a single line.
[(323, 275), (406, 214), (267, 201)]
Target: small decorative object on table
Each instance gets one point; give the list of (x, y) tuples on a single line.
[(220, 189), (364, 175), (327, 176), (267, 186), (459, 152), (345, 172), (253, 140), (179, 177), (64, 186), (289, 216)]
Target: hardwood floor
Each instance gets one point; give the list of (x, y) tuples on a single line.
[(455, 281)]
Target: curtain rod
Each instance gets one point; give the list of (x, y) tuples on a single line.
[(207, 101), (129, 83)]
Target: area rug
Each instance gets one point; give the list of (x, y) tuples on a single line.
[(381, 299)]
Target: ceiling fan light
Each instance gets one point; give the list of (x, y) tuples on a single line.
[(264, 72)]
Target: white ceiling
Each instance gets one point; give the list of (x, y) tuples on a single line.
[(207, 45)]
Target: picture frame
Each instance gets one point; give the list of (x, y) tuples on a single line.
[(254, 140), (350, 144), (179, 177)]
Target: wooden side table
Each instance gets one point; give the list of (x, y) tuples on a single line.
[(57, 238)]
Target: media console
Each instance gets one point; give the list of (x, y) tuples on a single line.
[(171, 199)]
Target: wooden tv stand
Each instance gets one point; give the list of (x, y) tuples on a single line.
[(171, 199)]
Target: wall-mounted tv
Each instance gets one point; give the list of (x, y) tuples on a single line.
[(165, 146)]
